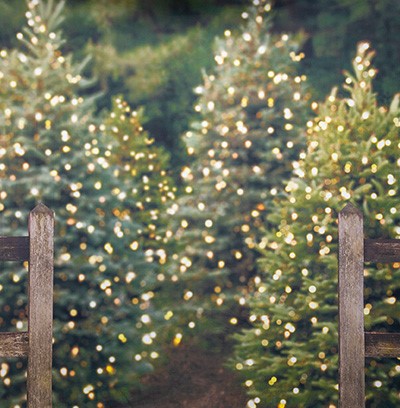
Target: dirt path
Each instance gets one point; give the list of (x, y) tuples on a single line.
[(192, 379)]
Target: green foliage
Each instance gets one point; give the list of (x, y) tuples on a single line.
[(160, 78), (53, 150), (11, 16), (289, 355), (176, 67), (251, 109), (334, 27)]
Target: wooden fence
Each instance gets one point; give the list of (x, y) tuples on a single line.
[(36, 343), (354, 343)]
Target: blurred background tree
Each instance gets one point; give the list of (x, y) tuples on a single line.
[(252, 110)]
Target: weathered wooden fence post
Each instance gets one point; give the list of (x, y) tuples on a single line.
[(36, 343), (354, 343), (351, 309), (40, 307)]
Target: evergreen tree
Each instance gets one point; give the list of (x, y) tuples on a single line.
[(251, 109), (53, 150), (138, 158), (289, 356)]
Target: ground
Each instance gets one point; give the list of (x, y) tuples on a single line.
[(191, 379)]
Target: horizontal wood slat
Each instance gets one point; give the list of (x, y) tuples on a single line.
[(14, 344), (382, 344), (382, 250), (14, 248)]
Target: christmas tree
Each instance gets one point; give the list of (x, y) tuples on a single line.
[(289, 356), (54, 150), (250, 112), (139, 159)]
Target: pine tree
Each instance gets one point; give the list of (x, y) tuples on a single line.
[(248, 131), (289, 356), (54, 150), (138, 158)]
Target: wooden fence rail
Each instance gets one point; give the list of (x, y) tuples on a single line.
[(36, 343), (354, 343)]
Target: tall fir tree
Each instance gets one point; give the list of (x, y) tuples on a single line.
[(250, 113), (289, 356), (139, 158), (54, 151)]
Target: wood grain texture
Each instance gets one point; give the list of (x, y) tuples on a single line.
[(382, 250), (14, 248), (40, 307), (14, 344), (382, 344), (351, 309)]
